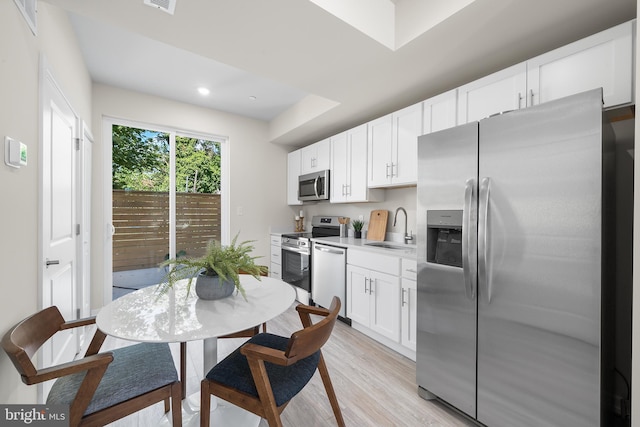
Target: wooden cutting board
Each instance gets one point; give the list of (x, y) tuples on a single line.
[(377, 225)]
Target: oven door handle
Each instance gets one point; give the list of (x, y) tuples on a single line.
[(296, 250)]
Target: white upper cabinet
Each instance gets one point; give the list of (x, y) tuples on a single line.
[(496, 93), (601, 60), (349, 168), (316, 157), (440, 112), (293, 171), (392, 148)]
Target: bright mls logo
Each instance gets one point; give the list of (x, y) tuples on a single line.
[(36, 415)]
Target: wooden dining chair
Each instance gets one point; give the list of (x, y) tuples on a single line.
[(264, 374), (100, 387)]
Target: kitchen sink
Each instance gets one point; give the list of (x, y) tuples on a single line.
[(386, 245)]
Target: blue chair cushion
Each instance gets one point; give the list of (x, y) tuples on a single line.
[(286, 381), (135, 370)]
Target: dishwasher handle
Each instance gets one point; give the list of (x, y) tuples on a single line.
[(329, 249)]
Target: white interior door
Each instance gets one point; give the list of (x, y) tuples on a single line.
[(58, 222)]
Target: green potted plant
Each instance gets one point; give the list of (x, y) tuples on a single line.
[(217, 271), (357, 228)]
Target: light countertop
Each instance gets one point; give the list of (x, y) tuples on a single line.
[(405, 251)]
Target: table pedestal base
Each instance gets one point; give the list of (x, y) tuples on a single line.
[(222, 414)]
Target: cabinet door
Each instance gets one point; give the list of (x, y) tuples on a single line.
[(316, 157), (339, 178), (379, 151), (323, 154), (357, 188), (385, 311), (293, 171), (440, 112), (409, 313), (602, 60), (496, 93), (358, 294), (407, 125)]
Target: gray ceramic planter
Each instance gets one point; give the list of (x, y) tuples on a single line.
[(211, 287)]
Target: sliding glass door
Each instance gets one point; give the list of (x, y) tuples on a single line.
[(166, 201)]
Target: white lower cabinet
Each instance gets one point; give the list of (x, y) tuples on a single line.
[(381, 299), (409, 304), (374, 300), (275, 269), (373, 296)]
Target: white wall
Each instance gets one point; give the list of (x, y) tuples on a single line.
[(19, 118), (257, 168)]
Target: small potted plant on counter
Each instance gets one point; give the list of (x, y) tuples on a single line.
[(357, 228), (217, 271)]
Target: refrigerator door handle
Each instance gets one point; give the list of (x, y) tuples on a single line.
[(469, 254), (484, 276)]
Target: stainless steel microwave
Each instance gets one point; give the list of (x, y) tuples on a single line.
[(314, 186)]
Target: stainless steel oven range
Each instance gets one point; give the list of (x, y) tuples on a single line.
[(296, 255)]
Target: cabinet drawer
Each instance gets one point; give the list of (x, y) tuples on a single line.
[(276, 254), (409, 268), (373, 261), (275, 271), (275, 240)]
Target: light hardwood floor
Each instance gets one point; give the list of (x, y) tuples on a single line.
[(375, 386)]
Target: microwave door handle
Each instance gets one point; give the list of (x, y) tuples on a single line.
[(315, 186)]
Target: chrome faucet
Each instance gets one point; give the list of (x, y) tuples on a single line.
[(407, 237)]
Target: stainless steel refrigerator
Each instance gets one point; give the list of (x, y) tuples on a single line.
[(511, 264)]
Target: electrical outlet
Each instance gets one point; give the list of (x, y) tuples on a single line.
[(240, 211), (361, 217)]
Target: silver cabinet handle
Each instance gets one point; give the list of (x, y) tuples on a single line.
[(404, 290), (52, 262), (387, 172), (366, 291), (519, 100), (531, 94), (483, 233), (370, 286), (468, 240)]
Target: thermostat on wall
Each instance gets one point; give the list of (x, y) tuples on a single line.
[(15, 153)]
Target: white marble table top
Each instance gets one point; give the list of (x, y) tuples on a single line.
[(142, 316)]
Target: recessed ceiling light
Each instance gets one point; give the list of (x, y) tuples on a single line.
[(252, 98), (203, 91)]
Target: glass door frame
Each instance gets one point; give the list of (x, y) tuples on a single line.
[(107, 200)]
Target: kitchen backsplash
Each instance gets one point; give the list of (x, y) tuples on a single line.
[(394, 198)]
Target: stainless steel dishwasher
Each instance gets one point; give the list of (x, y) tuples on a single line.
[(328, 275)]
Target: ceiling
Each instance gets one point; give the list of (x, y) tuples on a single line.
[(318, 67)]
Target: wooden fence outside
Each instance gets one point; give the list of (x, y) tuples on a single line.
[(141, 219)]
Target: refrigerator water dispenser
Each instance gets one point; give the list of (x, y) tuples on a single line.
[(444, 237)]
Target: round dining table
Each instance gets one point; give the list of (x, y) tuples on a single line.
[(177, 315)]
